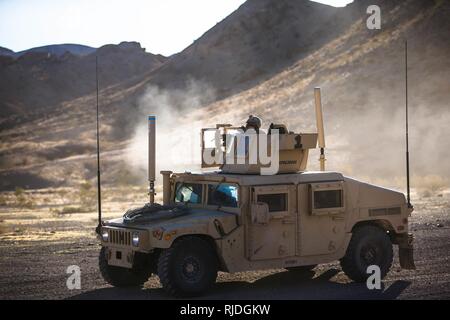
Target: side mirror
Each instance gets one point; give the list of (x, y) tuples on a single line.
[(260, 213)]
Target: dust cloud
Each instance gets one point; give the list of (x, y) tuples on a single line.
[(364, 126), (369, 143), (179, 120)]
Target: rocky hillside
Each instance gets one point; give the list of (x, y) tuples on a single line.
[(256, 41), (361, 73), (59, 50), (38, 80), (6, 52), (265, 59)]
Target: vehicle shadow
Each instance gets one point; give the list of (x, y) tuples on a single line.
[(284, 285), (305, 286)]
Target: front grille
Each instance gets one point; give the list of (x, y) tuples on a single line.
[(120, 237)]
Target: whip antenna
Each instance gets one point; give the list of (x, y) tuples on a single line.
[(151, 157), (408, 192), (99, 195)]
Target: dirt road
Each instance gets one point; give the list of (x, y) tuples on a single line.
[(33, 265)]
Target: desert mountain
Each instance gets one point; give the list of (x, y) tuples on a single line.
[(56, 50), (362, 75), (6, 52), (256, 41), (38, 80), (265, 59)]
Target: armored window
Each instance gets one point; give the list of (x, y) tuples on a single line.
[(277, 202), (327, 199), (224, 195), (188, 192)]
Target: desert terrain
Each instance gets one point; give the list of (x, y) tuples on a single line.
[(263, 59), (38, 244)]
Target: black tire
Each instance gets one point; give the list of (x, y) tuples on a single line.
[(370, 245), (188, 268), (301, 268), (123, 277)]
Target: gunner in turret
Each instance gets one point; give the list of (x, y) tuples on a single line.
[(252, 123)]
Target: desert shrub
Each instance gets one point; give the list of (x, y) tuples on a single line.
[(69, 210), (29, 204), (62, 194), (19, 192), (22, 200), (3, 201), (87, 195)]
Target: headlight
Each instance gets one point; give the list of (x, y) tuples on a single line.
[(105, 235), (135, 239)]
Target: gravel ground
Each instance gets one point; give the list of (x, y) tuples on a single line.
[(33, 266)]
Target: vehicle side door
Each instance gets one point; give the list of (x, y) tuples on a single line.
[(272, 222), (321, 217)]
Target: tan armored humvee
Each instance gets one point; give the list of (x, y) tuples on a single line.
[(235, 219)]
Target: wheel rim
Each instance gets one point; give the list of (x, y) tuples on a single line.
[(370, 255), (191, 270)]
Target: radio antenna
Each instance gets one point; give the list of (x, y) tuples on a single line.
[(320, 130), (408, 192), (99, 195)]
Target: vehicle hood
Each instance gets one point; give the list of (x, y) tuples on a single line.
[(163, 218)]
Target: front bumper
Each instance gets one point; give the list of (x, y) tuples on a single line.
[(120, 250), (120, 257)]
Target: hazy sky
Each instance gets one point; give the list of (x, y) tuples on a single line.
[(161, 26)]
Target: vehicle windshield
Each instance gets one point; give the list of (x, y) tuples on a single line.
[(188, 192), (224, 195)]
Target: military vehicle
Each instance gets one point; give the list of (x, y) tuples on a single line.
[(233, 218)]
